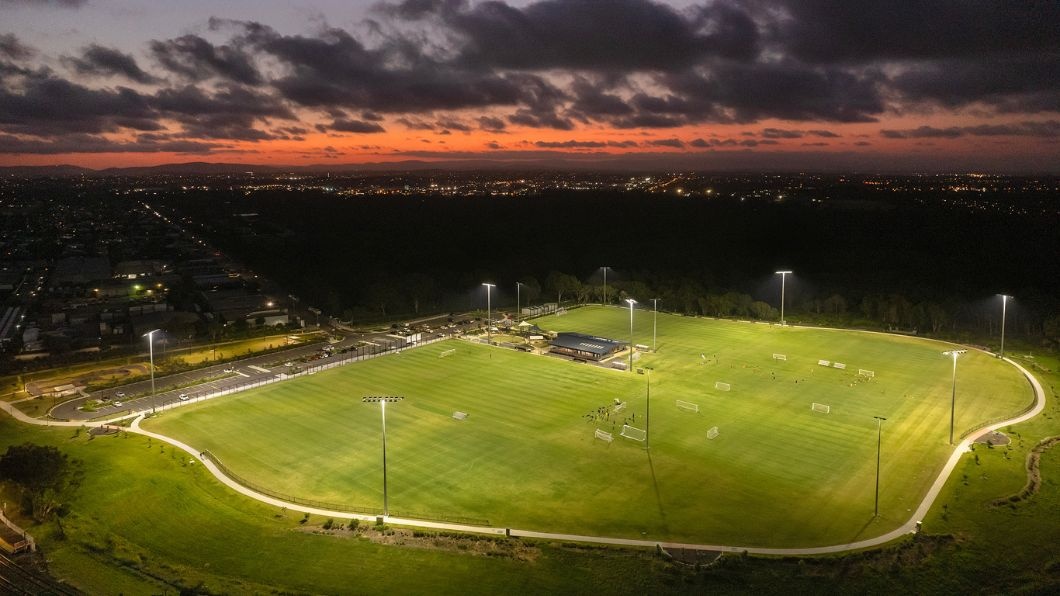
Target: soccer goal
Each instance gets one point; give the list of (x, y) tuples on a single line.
[(687, 406), (447, 353), (722, 386), (634, 433), (618, 407), (866, 373), (712, 433), (780, 357), (604, 436), (823, 363), (822, 408), (839, 365)]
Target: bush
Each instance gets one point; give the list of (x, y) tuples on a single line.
[(328, 524)]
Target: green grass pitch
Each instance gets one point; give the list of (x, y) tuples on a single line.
[(778, 474)]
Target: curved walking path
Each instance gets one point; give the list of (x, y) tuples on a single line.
[(908, 527)]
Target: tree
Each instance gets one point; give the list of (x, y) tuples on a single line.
[(763, 311), (562, 283), (45, 476), (530, 291)]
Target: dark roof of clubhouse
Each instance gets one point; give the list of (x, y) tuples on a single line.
[(600, 346)]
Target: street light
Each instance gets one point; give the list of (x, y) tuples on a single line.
[(783, 277), (647, 415), (605, 285), (489, 320), (151, 350), (1004, 303), (953, 395), (879, 441), (382, 400), (654, 322), (631, 303)]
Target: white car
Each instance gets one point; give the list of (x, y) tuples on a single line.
[(183, 397), (117, 404), (230, 370), (119, 394)]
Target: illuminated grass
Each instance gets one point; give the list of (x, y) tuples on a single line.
[(778, 474)]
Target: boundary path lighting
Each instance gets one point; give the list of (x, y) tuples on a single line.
[(953, 394), (382, 400), (783, 277)]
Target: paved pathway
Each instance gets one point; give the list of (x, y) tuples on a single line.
[(908, 527)]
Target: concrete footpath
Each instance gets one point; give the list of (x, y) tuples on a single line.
[(908, 527)]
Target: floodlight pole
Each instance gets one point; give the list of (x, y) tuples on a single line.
[(631, 303), (879, 441), (953, 394), (654, 323), (605, 286), (647, 416), (151, 350), (1004, 303), (783, 277), (382, 408), (489, 316), (518, 299)]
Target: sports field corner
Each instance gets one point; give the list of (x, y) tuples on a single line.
[(777, 476)]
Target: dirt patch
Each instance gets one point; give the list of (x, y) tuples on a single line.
[(484, 546), (97, 431), (1034, 473), (994, 438)]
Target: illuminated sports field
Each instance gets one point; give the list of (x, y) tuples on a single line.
[(777, 474)]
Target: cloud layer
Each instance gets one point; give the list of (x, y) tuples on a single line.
[(457, 67)]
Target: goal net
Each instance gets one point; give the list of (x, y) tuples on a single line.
[(722, 386), (866, 373), (824, 363), (687, 406), (822, 408), (780, 357), (839, 365), (712, 433), (604, 436), (636, 434), (447, 353), (618, 407)]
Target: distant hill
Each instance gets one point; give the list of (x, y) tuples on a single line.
[(44, 171), (191, 168)]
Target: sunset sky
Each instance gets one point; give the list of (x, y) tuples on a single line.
[(951, 85)]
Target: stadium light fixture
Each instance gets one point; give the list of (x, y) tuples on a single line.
[(654, 323), (1004, 304), (879, 441), (631, 303), (647, 415), (489, 315), (953, 394), (151, 350), (783, 277), (382, 400)]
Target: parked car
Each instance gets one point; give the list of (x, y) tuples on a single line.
[(117, 404), (183, 397), (119, 395)]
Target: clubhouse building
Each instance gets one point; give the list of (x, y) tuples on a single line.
[(585, 347)]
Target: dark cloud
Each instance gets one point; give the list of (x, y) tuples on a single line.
[(675, 143), (789, 91), (371, 116), (1012, 84), (356, 126), (12, 48), (80, 143), (570, 144), (825, 31), (197, 59), (97, 60), (1041, 129), (777, 133), (586, 34), (453, 124), (44, 3), (45, 105), (491, 124)]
